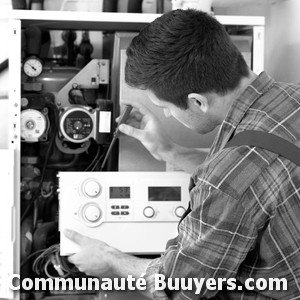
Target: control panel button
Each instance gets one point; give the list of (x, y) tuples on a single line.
[(124, 213), (149, 212), (124, 207), (91, 188), (115, 213), (115, 207), (92, 213), (179, 211)]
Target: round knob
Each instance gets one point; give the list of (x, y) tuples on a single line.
[(148, 212), (179, 211), (92, 188), (92, 213)]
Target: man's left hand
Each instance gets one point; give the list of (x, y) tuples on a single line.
[(95, 257)]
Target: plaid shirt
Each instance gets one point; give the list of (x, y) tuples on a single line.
[(245, 204)]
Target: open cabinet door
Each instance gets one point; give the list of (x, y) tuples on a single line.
[(8, 251)]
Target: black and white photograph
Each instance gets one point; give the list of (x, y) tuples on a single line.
[(150, 149)]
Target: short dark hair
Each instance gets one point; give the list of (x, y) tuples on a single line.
[(184, 51)]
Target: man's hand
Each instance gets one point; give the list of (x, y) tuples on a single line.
[(145, 127), (94, 258)]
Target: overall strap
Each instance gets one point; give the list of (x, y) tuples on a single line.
[(265, 140), (268, 141)]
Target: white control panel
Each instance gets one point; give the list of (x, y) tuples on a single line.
[(136, 212)]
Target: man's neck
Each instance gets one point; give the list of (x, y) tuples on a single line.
[(226, 101), (245, 82)]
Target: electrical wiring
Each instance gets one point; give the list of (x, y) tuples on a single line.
[(91, 165), (49, 194), (50, 258), (98, 161), (26, 260)]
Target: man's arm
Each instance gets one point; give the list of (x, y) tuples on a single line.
[(186, 159), (96, 258)]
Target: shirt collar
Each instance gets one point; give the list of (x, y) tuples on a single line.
[(260, 85)]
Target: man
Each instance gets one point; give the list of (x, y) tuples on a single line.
[(244, 220)]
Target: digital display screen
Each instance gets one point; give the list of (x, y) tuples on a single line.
[(119, 192), (164, 193)]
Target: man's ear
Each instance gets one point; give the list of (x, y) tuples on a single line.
[(199, 101)]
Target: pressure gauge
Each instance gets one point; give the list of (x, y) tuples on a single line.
[(33, 66)]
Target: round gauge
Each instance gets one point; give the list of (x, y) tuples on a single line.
[(33, 66), (33, 125), (76, 124)]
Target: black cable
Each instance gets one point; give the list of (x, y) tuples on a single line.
[(109, 151), (98, 161), (94, 160), (107, 91), (66, 165)]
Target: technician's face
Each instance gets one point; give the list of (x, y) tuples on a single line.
[(189, 117)]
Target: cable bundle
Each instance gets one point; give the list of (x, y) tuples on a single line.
[(51, 258)]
